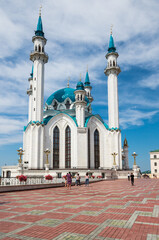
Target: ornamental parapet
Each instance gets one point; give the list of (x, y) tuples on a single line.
[(29, 91), (37, 123), (39, 55), (113, 69)]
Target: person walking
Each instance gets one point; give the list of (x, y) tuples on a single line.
[(69, 180), (78, 179), (87, 180), (132, 179), (128, 176)]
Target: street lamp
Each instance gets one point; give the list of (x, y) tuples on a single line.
[(20, 153), (134, 155), (114, 156), (47, 151)]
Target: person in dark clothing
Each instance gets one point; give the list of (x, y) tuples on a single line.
[(132, 179)]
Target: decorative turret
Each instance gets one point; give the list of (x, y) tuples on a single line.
[(88, 87), (125, 154), (112, 70), (39, 58), (80, 103)]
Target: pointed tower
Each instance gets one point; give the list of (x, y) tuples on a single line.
[(30, 94), (126, 152), (112, 70), (88, 88), (39, 58), (80, 104)]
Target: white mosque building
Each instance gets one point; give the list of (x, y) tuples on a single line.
[(75, 139)]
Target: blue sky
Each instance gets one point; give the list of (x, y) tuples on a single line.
[(78, 34)]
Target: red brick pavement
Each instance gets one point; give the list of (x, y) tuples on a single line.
[(108, 209)]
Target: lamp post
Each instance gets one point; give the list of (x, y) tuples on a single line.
[(47, 151), (134, 155), (114, 156), (20, 153)]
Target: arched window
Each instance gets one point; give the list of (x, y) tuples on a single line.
[(67, 104), (89, 157), (35, 48), (78, 97), (96, 150), (114, 63), (42, 49), (81, 97), (68, 147), (110, 63), (39, 48), (56, 147), (8, 174), (55, 105)]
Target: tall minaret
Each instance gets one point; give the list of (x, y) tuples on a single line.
[(87, 87), (112, 70), (39, 58), (80, 104), (30, 93)]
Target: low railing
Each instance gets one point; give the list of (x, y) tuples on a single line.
[(12, 181)]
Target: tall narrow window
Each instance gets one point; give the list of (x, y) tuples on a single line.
[(96, 150), (89, 149), (68, 147), (55, 105), (67, 104), (56, 148)]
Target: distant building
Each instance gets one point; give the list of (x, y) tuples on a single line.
[(154, 162)]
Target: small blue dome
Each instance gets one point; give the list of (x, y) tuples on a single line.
[(80, 86), (62, 94)]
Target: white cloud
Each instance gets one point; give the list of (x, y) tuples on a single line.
[(10, 125), (134, 117), (151, 82)]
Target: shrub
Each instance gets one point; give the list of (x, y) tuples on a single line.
[(48, 177), (22, 178)]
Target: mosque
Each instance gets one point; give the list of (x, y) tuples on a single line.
[(65, 135)]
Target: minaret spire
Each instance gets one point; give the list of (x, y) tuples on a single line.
[(112, 70), (39, 30), (39, 58), (87, 86)]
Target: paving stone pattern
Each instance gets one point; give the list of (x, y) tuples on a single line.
[(104, 210)]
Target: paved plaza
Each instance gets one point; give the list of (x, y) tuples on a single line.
[(104, 210)]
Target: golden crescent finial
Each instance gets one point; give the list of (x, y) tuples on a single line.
[(111, 27), (68, 84), (40, 10), (80, 77)]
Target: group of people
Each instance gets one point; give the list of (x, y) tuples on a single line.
[(131, 177), (68, 180)]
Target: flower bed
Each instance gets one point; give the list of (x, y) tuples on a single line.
[(22, 178), (93, 176), (99, 176), (48, 177)]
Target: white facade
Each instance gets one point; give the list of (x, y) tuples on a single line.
[(76, 138), (154, 161)]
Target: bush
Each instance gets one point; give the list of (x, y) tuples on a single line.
[(99, 176), (48, 177), (22, 178)]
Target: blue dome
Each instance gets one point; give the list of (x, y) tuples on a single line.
[(80, 86), (62, 94)]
